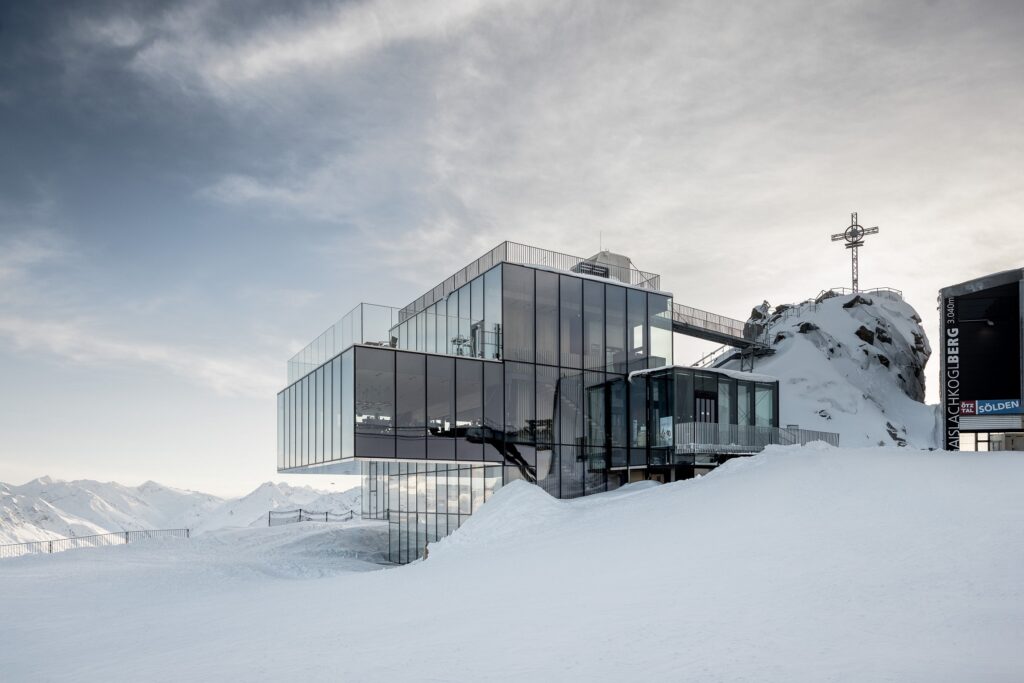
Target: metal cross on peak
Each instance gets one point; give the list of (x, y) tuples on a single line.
[(854, 236)]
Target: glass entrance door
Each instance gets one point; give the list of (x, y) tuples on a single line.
[(706, 408)]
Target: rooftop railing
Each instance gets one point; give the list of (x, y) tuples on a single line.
[(524, 254), (364, 324)]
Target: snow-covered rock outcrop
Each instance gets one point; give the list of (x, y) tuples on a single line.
[(852, 364)]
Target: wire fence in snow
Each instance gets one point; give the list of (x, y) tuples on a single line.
[(276, 517), (57, 545)]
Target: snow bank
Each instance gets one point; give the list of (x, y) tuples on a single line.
[(799, 564)]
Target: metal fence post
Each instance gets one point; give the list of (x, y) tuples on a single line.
[(51, 547), (126, 538)]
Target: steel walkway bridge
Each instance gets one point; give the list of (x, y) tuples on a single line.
[(694, 322)]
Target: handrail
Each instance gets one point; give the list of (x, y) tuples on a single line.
[(57, 545), (702, 437), (889, 292), (306, 516), (709, 359)]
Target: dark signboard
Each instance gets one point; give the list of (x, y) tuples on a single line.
[(981, 356)]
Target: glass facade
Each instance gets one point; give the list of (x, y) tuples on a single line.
[(517, 372)]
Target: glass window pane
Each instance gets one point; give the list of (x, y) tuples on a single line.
[(469, 392), (617, 411), (304, 423), (410, 405), (336, 408), (280, 429), (421, 331), (318, 396), (440, 407), (431, 339), (375, 402), (476, 317), (518, 303), (764, 406), (593, 325), (547, 385), (744, 415), (494, 412), (571, 321), (570, 408), (547, 317), (659, 311), (465, 323), (615, 329), (636, 325), (726, 389), (492, 313), (348, 416), (451, 343), (519, 402), (638, 420), (661, 410)]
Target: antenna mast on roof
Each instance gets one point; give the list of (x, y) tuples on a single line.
[(854, 236)]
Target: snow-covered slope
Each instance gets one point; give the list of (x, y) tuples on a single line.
[(45, 508), (852, 364), (251, 510), (798, 564)]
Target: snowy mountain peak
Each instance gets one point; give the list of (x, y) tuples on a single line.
[(47, 508), (852, 364)]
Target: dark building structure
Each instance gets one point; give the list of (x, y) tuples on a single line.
[(982, 360), (526, 364)]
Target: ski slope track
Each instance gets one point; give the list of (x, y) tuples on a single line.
[(798, 564)]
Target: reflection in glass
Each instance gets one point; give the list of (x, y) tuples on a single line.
[(547, 385), (615, 329), (518, 303), (547, 317), (519, 402), (593, 325), (659, 311), (571, 321), (494, 412), (469, 409), (492, 313), (636, 325), (348, 417), (440, 407), (410, 405), (375, 402), (744, 415)]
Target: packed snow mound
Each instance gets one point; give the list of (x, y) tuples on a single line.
[(47, 508), (798, 564), (851, 364)]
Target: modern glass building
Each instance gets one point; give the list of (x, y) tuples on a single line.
[(526, 364)]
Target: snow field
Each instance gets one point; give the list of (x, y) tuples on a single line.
[(800, 564)]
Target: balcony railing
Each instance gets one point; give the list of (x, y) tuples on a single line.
[(712, 438), (524, 254)]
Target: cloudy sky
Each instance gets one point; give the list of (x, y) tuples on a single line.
[(191, 191)]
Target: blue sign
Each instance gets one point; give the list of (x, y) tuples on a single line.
[(1007, 407)]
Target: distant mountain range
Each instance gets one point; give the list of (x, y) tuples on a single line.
[(48, 508)]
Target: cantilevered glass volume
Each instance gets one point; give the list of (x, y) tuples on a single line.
[(526, 364)]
